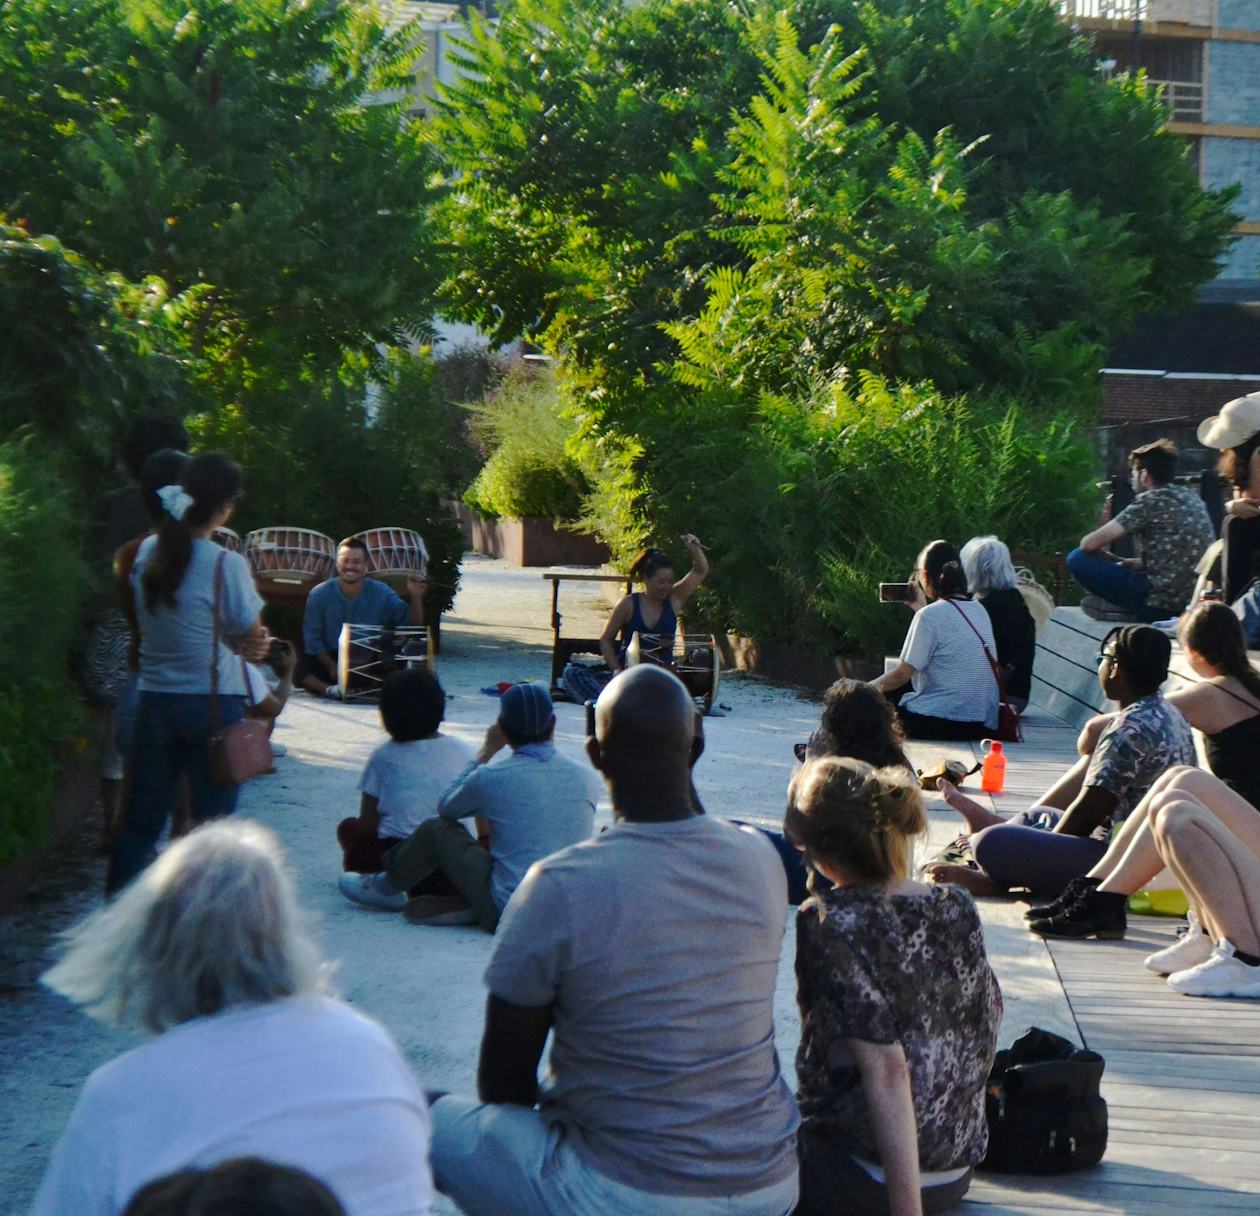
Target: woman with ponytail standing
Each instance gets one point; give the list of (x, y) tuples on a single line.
[(954, 693), (653, 612), (187, 589), (899, 1007)]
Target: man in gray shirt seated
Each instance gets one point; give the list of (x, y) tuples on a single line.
[(650, 953), (531, 804)]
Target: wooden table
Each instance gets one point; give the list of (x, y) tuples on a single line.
[(562, 648)]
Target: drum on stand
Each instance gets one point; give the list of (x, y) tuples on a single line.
[(288, 562), (227, 539), (395, 555), (694, 659), (366, 654)]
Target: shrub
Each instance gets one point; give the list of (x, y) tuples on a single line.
[(530, 470), (39, 618)]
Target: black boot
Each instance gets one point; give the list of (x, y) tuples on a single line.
[(1066, 898), (1098, 914)]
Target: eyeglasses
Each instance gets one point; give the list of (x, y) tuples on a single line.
[(1106, 656)]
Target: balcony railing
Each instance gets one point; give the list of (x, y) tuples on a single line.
[(1186, 12), (1184, 98)]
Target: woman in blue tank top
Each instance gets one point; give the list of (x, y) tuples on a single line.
[(653, 612)]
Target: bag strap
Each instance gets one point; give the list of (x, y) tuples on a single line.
[(994, 666)]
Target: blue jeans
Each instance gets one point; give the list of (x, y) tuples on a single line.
[(1125, 588), (170, 736)]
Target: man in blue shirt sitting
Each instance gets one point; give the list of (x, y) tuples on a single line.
[(355, 599)]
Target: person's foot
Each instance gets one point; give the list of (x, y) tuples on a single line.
[(449, 910), (333, 692), (1099, 914), (372, 891), (1220, 974), (1065, 899), (1193, 947), (973, 813), (278, 749), (975, 881)]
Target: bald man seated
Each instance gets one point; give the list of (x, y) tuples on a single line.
[(649, 952)]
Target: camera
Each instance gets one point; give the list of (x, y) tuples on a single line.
[(897, 593)]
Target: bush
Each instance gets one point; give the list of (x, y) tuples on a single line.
[(39, 619), (530, 470)]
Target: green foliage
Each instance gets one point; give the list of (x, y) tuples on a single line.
[(42, 581), (256, 148), (522, 424)]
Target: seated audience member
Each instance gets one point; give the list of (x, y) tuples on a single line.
[(1064, 833), (205, 950), (244, 1186), (1225, 706), (650, 952), (1170, 527), (1235, 432), (405, 775), (532, 804), (653, 612), (350, 598), (899, 1008), (986, 562), (954, 693)]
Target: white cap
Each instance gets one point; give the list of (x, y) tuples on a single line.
[(1235, 424)]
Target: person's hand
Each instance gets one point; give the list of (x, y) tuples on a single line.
[(254, 647), (417, 586), (917, 600), (288, 661), (1130, 563), (691, 540), (1243, 508), (495, 741)]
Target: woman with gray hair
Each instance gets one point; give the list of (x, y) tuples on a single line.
[(205, 950), (992, 582)]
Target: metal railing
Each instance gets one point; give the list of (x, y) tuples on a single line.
[(1188, 12), (1184, 98)]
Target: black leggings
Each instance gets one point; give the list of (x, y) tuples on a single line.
[(1238, 561), (924, 726)]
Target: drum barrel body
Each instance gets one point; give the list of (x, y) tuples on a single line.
[(290, 555), (367, 654), (395, 555)]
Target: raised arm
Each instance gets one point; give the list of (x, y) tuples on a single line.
[(886, 1087), (686, 586)]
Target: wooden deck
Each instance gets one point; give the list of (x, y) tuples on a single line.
[(1183, 1075)]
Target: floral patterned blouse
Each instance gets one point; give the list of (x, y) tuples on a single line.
[(886, 969)]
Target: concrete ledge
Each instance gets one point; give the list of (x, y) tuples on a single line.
[(790, 665), (532, 541)]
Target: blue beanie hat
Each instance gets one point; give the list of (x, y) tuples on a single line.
[(525, 711)]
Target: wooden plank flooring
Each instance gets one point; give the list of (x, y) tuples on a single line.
[(1183, 1075)]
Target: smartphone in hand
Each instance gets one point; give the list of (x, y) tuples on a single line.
[(896, 593)]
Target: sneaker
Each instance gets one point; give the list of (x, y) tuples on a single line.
[(1221, 974), (333, 692), (1099, 914), (1066, 898), (449, 910), (372, 891), (278, 750), (1193, 947)]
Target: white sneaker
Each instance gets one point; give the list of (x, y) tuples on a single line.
[(1221, 975), (278, 750), (1189, 950), (366, 890)]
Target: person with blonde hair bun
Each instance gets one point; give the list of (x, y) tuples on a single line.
[(206, 951), (899, 1007)]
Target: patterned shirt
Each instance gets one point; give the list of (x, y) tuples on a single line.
[(1171, 528), (887, 969), (1140, 743)]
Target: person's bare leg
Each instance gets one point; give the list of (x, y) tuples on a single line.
[(314, 685), (975, 881), (1063, 792), (974, 815), (1219, 873)]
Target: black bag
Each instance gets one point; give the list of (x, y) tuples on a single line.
[(1043, 1107)]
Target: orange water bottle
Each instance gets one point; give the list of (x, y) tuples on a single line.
[(993, 771)]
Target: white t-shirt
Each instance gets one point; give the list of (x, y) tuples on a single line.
[(407, 779), (176, 644), (952, 678), (658, 944), (306, 1082)]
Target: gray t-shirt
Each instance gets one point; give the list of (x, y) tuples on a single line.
[(536, 802), (176, 644), (952, 677), (659, 946)]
